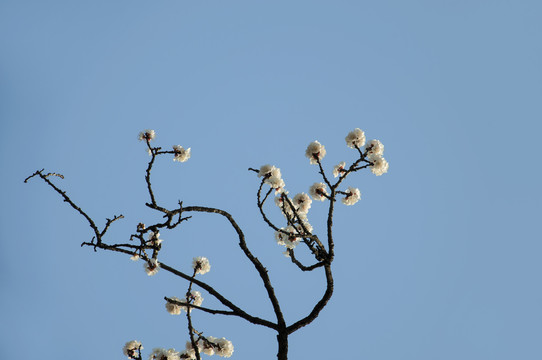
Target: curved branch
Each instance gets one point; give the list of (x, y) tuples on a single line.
[(119, 248), (319, 306), (238, 311), (97, 232), (300, 265), (262, 271), (330, 242), (260, 206)]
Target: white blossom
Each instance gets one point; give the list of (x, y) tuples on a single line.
[(315, 151), (265, 170), (225, 347), (380, 165), (131, 349), (339, 169), (272, 177), (201, 265), (146, 135), (173, 309), (134, 257), (268, 171), (163, 354), (302, 203), (355, 138), (352, 196), (189, 352), (207, 347), (181, 154), (151, 267), (374, 148), (276, 183), (318, 191)]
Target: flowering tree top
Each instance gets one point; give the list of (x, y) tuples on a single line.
[(297, 234)]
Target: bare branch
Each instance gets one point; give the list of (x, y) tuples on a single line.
[(262, 271), (319, 306), (39, 173)]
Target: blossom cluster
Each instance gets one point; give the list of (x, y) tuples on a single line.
[(301, 203), (355, 140), (374, 150), (298, 229), (207, 345), (210, 346), (296, 210), (180, 154), (194, 298)]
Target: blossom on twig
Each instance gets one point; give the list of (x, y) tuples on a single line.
[(318, 191), (180, 154), (172, 308), (146, 135), (352, 196), (355, 138), (201, 265), (210, 346), (315, 152), (339, 169), (380, 165), (374, 148), (132, 349)]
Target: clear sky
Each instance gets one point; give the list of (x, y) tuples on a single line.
[(440, 260)]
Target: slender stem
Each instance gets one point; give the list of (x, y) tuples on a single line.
[(189, 318)]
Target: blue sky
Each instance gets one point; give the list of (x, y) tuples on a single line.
[(439, 260)]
